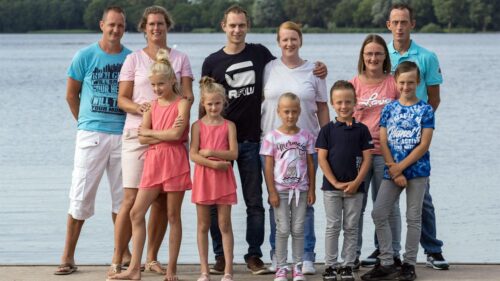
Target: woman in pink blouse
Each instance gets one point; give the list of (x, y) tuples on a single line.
[(375, 87), (135, 94)]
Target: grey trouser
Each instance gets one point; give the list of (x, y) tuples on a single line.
[(342, 212), (290, 219), (372, 181), (388, 194)]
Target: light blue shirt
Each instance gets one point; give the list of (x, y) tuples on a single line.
[(98, 72), (427, 61)]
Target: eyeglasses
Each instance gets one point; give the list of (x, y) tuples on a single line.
[(370, 54)]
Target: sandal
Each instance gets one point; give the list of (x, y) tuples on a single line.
[(65, 269), (114, 268), (155, 267), (227, 277), (204, 277)]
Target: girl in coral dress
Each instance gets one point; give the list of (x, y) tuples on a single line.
[(213, 146), (166, 166)]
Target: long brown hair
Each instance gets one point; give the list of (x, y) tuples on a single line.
[(374, 38)]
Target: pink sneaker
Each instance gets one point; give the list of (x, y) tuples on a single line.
[(297, 272), (281, 274)]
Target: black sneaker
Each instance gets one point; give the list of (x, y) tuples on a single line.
[(330, 274), (437, 261), (256, 265), (346, 274), (380, 272), (397, 263), (219, 266), (407, 272), (356, 265), (371, 260)]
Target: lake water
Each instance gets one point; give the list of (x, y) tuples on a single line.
[(37, 144)]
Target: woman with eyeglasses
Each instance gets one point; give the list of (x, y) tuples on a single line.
[(375, 87)]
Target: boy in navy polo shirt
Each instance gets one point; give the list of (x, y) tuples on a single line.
[(344, 157)]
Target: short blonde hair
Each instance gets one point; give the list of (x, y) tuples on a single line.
[(289, 95), (290, 25)]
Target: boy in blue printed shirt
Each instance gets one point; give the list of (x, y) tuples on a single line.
[(406, 128)]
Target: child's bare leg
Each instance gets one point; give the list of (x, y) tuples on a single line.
[(137, 215), (203, 212), (226, 229), (174, 204), (123, 227), (157, 226)]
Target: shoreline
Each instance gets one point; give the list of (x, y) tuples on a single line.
[(191, 272)]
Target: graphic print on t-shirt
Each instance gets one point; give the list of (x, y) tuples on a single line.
[(241, 79), (405, 133), (105, 87), (291, 150), (372, 100)]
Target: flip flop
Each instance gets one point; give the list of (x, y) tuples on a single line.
[(155, 267), (65, 269), (114, 268)]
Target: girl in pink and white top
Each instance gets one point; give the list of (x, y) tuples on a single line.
[(291, 73), (375, 87), (290, 179), (135, 96)]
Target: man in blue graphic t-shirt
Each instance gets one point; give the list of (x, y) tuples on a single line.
[(91, 93)]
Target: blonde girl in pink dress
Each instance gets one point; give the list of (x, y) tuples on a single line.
[(166, 165), (213, 146)]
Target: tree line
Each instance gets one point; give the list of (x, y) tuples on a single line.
[(205, 15)]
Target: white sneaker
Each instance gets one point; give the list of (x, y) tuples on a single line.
[(308, 268), (274, 264)]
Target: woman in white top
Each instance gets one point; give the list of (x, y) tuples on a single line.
[(135, 94), (291, 73)]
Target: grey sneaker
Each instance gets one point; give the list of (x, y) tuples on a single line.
[(437, 261)]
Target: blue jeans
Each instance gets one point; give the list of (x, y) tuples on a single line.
[(428, 239), (374, 179), (249, 166), (309, 235)]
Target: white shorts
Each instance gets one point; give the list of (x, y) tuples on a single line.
[(94, 153), (133, 154)]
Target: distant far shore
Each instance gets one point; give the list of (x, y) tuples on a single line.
[(273, 30)]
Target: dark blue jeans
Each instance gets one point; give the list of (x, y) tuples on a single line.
[(428, 238), (249, 166)]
